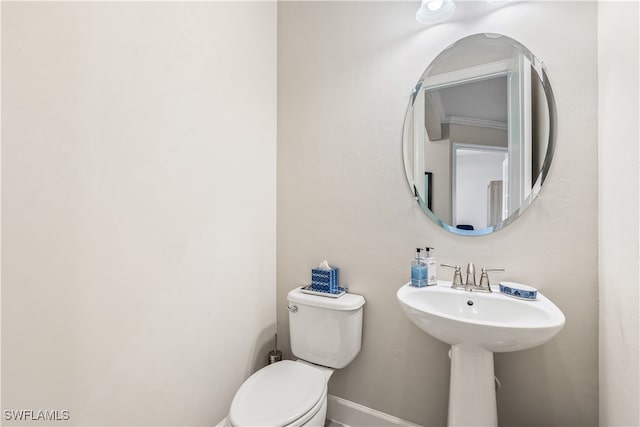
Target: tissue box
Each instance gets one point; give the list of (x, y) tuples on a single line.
[(325, 280)]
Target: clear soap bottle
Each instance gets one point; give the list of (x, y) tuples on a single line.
[(419, 273), (431, 268)]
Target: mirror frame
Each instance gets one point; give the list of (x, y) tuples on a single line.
[(537, 185)]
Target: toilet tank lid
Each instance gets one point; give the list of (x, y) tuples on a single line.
[(345, 302)]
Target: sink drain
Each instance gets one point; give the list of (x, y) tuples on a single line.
[(469, 302)]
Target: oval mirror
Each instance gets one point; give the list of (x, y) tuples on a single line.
[(479, 134)]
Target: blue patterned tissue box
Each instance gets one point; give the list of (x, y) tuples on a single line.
[(325, 280)]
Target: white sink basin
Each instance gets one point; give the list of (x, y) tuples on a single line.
[(476, 325), (493, 321)]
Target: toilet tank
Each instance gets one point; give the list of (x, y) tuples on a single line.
[(323, 330)]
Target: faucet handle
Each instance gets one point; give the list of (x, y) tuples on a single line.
[(484, 277), (457, 276)]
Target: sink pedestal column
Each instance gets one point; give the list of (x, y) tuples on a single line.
[(472, 393)]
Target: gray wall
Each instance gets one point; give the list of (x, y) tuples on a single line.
[(345, 71), (619, 263), (127, 226)]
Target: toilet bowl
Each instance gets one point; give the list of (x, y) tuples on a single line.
[(286, 393), (326, 334)]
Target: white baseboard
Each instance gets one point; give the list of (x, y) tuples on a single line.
[(353, 414), (349, 413)]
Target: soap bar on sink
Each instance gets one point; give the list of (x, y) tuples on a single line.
[(518, 290)]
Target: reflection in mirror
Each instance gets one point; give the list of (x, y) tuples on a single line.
[(479, 134)]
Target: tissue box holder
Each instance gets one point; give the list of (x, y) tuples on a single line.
[(325, 280)]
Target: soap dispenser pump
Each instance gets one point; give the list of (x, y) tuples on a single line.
[(431, 268), (419, 274)]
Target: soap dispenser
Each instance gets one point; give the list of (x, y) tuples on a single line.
[(431, 268), (419, 274)]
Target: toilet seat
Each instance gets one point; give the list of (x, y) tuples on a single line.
[(286, 393)]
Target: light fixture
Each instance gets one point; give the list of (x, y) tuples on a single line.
[(434, 11)]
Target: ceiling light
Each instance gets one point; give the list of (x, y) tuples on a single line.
[(434, 5), (433, 11)]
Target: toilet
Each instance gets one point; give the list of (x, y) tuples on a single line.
[(326, 334)]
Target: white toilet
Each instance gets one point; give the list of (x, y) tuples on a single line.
[(326, 334)]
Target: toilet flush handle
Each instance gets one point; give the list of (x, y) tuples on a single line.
[(293, 309)]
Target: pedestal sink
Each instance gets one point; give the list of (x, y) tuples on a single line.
[(476, 325)]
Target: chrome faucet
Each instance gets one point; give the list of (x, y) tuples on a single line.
[(457, 276), (470, 284), (471, 275), (484, 278)]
